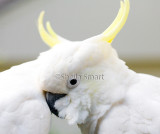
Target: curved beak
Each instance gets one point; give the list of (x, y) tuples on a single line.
[(51, 100)]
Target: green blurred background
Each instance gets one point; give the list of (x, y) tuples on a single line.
[(138, 43)]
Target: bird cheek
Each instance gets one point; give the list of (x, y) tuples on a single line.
[(62, 105)]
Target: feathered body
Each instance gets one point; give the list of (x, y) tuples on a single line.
[(138, 112), (23, 109)]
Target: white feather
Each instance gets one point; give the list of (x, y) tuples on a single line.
[(23, 109), (124, 102)]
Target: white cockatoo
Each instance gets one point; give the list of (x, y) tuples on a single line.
[(86, 83)]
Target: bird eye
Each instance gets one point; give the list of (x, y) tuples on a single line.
[(72, 83)]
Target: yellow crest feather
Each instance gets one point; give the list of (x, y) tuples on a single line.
[(118, 23), (49, 37)]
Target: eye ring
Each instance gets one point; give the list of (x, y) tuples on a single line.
[(73, 83)]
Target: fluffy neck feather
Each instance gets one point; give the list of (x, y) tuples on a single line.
[(110, 92)]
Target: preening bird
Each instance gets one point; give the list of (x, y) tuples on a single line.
[(83, 82), (88, 84)]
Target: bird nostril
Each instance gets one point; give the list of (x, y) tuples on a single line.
[(51, 100)]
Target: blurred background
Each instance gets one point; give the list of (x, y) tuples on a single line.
[(138, 43)]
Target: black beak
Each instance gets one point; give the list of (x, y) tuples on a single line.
[(51, 100)]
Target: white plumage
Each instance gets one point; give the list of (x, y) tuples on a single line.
[(23, 109), (123, 102), (139, 110)]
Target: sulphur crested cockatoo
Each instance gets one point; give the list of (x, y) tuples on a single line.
[(86, 83)]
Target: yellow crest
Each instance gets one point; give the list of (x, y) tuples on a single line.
[(49, 36), (51, 39), (118, 23)]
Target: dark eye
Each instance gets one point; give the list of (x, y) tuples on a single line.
[(72, 83)]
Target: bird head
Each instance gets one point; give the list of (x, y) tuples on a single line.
[(81, 77)]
